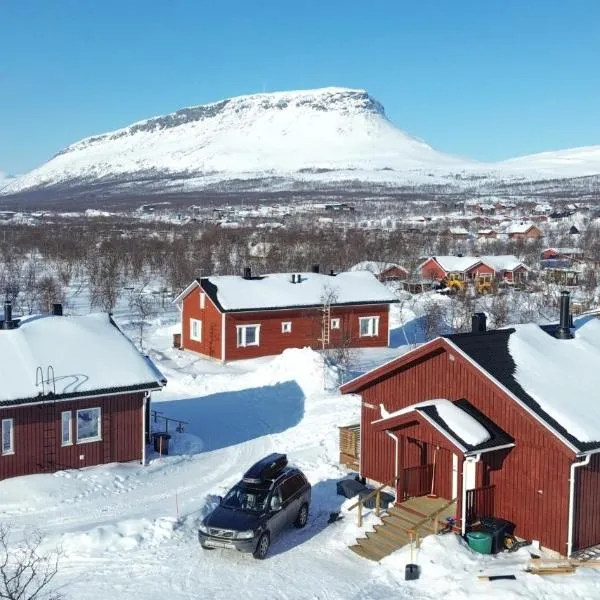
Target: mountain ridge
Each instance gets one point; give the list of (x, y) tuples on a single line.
[(316, 137)]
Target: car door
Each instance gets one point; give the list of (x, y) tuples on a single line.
[(292, 497), (277, 518)]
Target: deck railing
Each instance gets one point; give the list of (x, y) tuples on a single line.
[(480, 503), (377, 493), (415, 530), (178, 423)]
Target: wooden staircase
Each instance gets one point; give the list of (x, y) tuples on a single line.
[(423, 515)]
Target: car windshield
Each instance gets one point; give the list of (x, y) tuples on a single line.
[(243, 497)]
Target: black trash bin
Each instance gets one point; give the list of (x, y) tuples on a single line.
[(499, 528), (161, 442)]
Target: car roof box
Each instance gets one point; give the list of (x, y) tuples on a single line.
[(267, 468)]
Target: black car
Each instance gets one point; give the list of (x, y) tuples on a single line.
[(270, 497)]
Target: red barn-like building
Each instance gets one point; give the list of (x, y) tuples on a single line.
[(75, 393), (231, 318), (506, 422)]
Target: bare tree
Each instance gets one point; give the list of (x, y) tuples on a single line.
[(26, 571), (143, 307)]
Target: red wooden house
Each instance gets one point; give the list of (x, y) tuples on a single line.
[(231, 318), (506, 422), (501, 267), (384, 271), (75, 392), (526, 231)]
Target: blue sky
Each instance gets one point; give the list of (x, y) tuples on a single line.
[(481, 78)]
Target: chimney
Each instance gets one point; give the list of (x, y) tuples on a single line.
[(247, 273), (564, 331), (57, 309), (478, 323), (315, 268), (293, 277), (332, 272), (7, 324)]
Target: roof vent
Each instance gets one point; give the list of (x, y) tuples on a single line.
[(564, 329), (57, 309), (315, 268), (247, 273), (478, 323), (332, 273), (293, 277)]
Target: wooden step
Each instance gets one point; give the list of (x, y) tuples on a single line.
[(406, 524), (405, 512), (382, 541), (399, 536), (364, 553), (375, 549)]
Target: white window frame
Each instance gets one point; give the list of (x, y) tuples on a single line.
[(11, 436), (373, 327), (335, 323), (193, 336), (241, 335), (69, 415), (96, 438), (202, 300), (286, 327)]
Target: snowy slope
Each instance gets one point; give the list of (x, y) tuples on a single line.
[(283, 133), (5, 179), (574, 162)]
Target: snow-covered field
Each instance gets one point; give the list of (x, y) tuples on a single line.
[(130, 532)]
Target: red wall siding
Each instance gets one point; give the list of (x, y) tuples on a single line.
[(481, 269), (532, 479), (393, 273), (306, 329), (431, 270), (586, 526), (121, 435), (211, 325)]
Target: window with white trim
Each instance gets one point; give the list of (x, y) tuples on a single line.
[(248, 335), (335, 323), (89, 425), (202, 300), (286, 327), (8, 436), (66, 428), (196, 330), (368, 326)]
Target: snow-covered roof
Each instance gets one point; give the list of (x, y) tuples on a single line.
[(561, 375), (87, 354), (502, 262), (458, 231), (374, 266), (276, 290), (573, 251), (519, 227), (466, 427), (455, 263)]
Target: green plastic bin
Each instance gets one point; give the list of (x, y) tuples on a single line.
[(480, 541)]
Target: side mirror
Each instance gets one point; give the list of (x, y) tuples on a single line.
[(275, 503)]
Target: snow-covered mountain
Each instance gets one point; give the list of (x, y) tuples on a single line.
[(277, 140), (341, 132), (575, 162), (5, 179)]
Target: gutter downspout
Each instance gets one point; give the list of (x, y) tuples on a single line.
[(146, 395), (470, 459), (575, 465), (395, 437)]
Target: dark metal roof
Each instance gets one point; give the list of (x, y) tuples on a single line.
[(42, 398), (490, 351), (498, 437)]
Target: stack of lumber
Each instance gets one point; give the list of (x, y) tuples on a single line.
[(558, 566)]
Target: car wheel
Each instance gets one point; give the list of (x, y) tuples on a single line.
[(302, 517), (262, 547)]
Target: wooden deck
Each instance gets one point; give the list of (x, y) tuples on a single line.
[(399, 524)]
